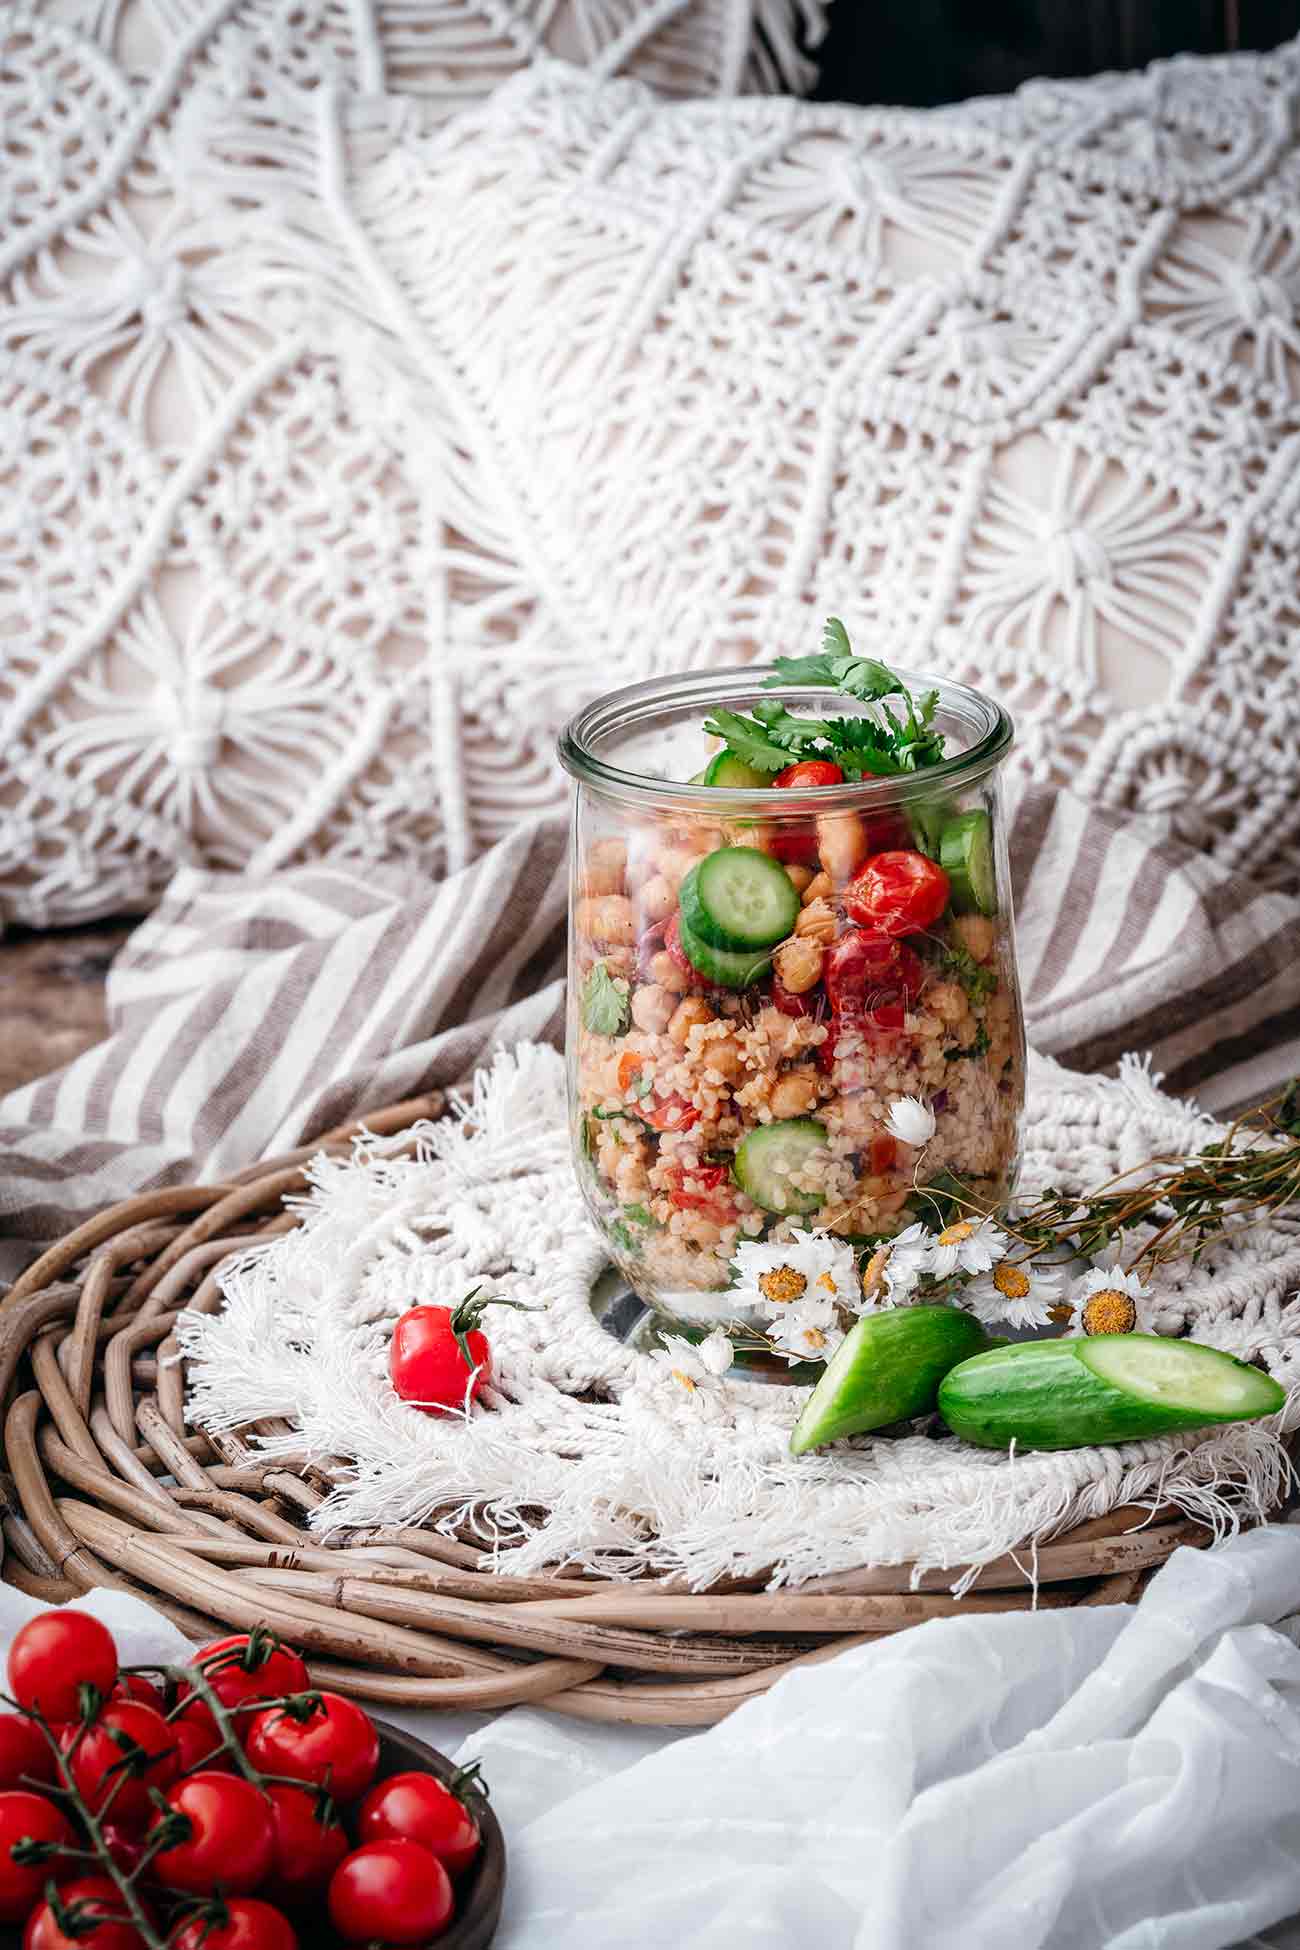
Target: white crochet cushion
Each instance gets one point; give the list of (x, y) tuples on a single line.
[(583, 385)]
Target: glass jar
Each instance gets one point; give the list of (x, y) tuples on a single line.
[(748, 1094)]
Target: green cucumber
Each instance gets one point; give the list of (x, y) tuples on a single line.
[(886, 1369), (966, 856), (699, 778), (1070, 1394), (724, 768), (737, 897), (768, 1158), (729, 968)]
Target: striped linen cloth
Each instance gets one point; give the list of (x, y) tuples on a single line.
[(248, 1016)]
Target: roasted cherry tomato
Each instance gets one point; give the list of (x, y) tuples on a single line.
[(426, 1361), (809, 772), (25, 1757), (134, 1685), (54, 1656), (419, 1808), (26, 1816), (244, 1923), (866, 968), (897, 893), (309, 1843), (231, 1840), (84, 1900), (673, 1114), (328, 1743), (128, 1751), (250, 1666), (390, 1892)]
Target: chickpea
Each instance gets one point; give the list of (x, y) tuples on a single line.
[(976, 934), (691, 1010), (794, 1094), (748, 832), (816, 923), (606, 867), (652, 1008), (675, 862), (819, 888), (841, 844), (606, 917), (798, 962), (657, 900), (665, 973), (800, 878), (948, 1001)]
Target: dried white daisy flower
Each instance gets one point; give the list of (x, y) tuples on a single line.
[(1109, 1301), (807, 1331), (695, 1370), (910, 1121), (813, 1266), (892, 1272), (1014, 1293), (966, 1246)]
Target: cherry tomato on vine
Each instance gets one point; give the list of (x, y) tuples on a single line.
[(308, 1848), (198, 1739), (390, 1892), (249, 1925), (330, 1743), (231, 1843), (103, 1766), (134, 1685), (427, 1363), (420, 1808), (83, 1901), (125, 1845), (250, 1666), (810, 772), (54, 1655), (897, 893), (24, 1752), (26, 1816)]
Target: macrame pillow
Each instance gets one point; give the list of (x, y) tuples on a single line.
[(585, 385)]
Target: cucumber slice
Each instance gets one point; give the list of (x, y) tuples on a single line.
[(770, 1157), (887, 1369), (1070, 1394), (737, 897), (729, 968), (966, 856), (724, 768), (699, 778)]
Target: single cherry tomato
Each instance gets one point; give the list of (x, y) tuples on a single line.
[(198, 1738), (673, 1114), (330, 1743), (243, 1923), (897, 893), (419, 1808), (25, 1816), (25, 1755), (104, 1764), (249, 1666), (134, 1685), (427, 1359), (54, 1656), (865, 968), (310, 1842), (231, 1841), (392, 1892), (810, 772), (83, 1901)]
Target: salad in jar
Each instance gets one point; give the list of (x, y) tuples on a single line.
[(795, 1008)]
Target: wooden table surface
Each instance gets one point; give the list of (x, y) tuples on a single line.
[(52, 996)]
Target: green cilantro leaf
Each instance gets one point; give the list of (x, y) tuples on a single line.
[(749, 741), (605, 1008)]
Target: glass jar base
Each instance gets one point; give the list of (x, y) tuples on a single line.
[(625, 1317)]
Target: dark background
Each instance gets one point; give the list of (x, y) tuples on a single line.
[(919, 52)]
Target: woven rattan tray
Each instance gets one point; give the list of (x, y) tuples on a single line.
[(108, 1486)]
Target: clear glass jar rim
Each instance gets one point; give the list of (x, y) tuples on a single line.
[(709, 689)]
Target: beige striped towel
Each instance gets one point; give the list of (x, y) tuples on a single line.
[(247, 1016)]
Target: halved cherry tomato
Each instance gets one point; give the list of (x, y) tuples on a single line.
[(250, 1666), (897, 893), (390, 1892), (629, 1069), (810, 772), (25, 1756), (24, 1815), (83, 1901), (331, 1744), (308, 1845), (673, 1114), (419, 1808), (57, 1653), (231, 1840), (104, 1764), (426, 1363), (249, 1924)]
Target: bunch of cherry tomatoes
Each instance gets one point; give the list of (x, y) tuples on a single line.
[(203, 1807)]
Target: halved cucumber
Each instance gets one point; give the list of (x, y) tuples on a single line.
[(1070, 1394), (966, 856), (886, 1369), (772, 1155), (724, 768), (729, 968), (737, 897)]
